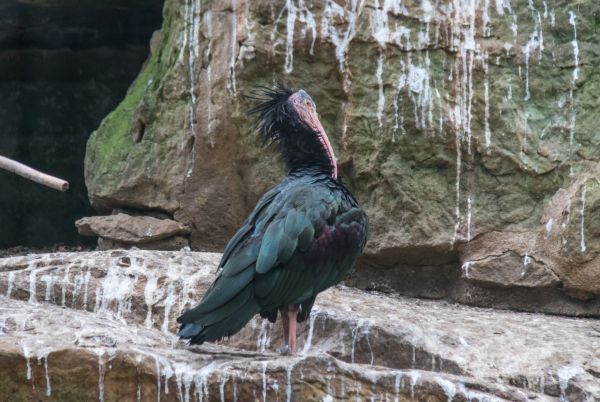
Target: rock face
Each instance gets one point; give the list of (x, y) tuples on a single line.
[(99, 325), (466, 129)]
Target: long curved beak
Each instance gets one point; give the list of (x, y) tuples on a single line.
[(312, 119)]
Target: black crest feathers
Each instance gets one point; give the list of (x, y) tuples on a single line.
[(273, 111)]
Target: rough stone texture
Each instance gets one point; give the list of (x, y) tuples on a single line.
[(109, 316), (122, 228), (455, 123), (174, 243), (499, 271), (62, 69)]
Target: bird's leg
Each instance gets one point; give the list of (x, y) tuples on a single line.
[(292, 312), (285, 323)]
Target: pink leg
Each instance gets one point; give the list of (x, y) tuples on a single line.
[(286, 330), (292, 314)]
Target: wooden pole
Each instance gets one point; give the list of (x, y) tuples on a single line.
[(33, 175)]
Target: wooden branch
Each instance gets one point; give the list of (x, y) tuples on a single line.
[(33, 175)]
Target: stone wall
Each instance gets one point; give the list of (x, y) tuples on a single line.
[(466, 129), (64, 64)]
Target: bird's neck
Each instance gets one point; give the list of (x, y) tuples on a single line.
[(310, 171), (308, 154)]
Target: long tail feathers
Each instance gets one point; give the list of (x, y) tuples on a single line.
[(223, 321)]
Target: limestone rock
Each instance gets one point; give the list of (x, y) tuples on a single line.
[(510, 269), (115, 314), (123, 228), (452, 122), (74, 356)]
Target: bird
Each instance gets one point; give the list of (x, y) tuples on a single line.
[(303, 236)]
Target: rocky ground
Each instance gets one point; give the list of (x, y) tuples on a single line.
[(99, 325)]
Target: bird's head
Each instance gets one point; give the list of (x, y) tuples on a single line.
[(289, 119)]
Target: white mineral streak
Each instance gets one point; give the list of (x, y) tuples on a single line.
[(514, 27), (467, 48), (414, 378), (26, 353), (65, 283), (311, 328), (381, 100), (192, 42), (291, 23), (157, 364), (465, 269), (582, 242), (224, 379), (180, 371), (565, 374), (208, 56), (486, 97), (263, 341), (362, 328), (549, 226), (193, 48), (448, 387), (11, 281), (288, 389), (309, 24), (340, 40), (86, 285), (458, 144), (184, 41), (330, 375), (49, 279), (116, 290), (232, 82), (151, 296), (200, 379), (32, 286), (469, 217), (169, 302), (574, 43), (399, 117), (44, 357), (485, 19), (397, 385), (264, 381), (168, 374), (536, 42), (101, 372)]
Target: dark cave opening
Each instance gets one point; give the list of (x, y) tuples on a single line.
[(64, 65)]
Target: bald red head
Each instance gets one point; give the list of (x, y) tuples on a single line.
[(306, 110)]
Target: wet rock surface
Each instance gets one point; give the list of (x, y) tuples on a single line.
[(99, 325), (453, 121)]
